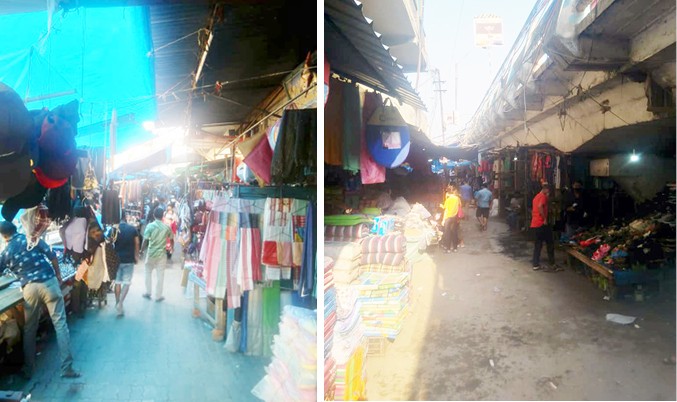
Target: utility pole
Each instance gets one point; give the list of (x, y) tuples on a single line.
[(438, 88)]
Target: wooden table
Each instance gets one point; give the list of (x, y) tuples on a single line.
[(9, 297), (218, 320), (595, 266)]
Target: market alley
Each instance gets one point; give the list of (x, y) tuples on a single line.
[(484, 326), (156, 352)]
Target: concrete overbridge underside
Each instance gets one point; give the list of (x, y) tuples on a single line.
[(621, 73)]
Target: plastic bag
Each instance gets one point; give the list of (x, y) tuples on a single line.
[(234, 336)]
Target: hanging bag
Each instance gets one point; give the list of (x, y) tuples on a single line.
[(388, 138)]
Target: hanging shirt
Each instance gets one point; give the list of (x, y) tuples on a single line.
[(538, 220), (29, 266)]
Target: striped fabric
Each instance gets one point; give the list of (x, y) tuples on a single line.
[(384, 268), (345, 233), (393, 243), (384, 250)]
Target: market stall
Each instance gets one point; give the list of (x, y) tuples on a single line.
[(632, 256)]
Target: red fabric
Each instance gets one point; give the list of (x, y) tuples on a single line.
[(370, 171), (260, 159), (269, 256), (536, 219), (46, 181)]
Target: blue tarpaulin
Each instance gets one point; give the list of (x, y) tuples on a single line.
[(103, 54)]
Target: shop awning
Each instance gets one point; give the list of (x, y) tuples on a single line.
[(154, 159), (355, 51)]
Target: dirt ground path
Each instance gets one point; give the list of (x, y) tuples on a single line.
[(484, 326)]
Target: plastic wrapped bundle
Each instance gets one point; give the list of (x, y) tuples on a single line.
[(292, 374)]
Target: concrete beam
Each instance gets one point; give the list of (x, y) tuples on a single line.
[(599, 53), (584, 120), (655, 38)]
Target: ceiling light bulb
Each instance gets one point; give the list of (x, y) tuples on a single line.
[(634, 157)]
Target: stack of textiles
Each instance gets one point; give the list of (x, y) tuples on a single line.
[(350, 347), (346, 227), (346, 258), (384, 301), (384, 253), (292, 374), (330, 319)]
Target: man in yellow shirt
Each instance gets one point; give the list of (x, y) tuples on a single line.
[(451, 206)]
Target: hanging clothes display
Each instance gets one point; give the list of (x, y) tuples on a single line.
[(110, 207), (309, 254), (333, 125), (59, 202), (351, 128), (295, 150)]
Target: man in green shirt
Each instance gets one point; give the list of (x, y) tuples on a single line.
[(155, 241)]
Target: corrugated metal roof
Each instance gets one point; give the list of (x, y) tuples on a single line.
[(253, 40), (355, 51)]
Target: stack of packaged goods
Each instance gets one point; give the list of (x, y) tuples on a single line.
[(384, 301), (346, 256), (292, 374), (330, 318), (350, 347)]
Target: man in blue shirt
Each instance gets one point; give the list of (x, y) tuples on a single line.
[(466, 193), (483, 197), (38, 271)]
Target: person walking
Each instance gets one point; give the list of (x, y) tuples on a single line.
[(38, 271), (542, 231), (451, 206), (483, 197), (466, 193), (155, 238), (127, 247)]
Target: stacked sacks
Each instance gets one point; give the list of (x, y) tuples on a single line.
[(350, 347), (383, 253), (330, 319), (347, 257), (292, 375), (384, 301)]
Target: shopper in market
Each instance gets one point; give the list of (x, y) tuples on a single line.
[(451, 207), (466, 193), (155, 238), (127, 247), (40, 277), (483, 197), (575, 210), (541, 229)]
